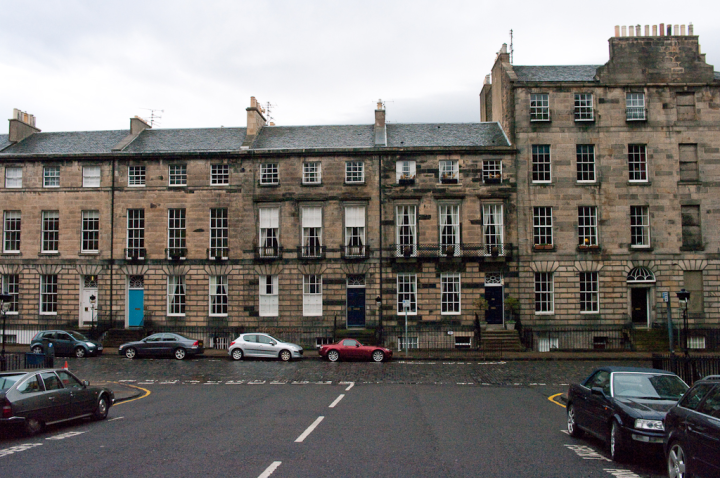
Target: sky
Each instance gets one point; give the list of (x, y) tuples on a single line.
[(85, 65)]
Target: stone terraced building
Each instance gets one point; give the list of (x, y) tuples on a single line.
[(586, 193)]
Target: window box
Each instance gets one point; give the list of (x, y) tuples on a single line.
[(496, 179), (406, 180), (543, 247), (584, 248), (447, 179)]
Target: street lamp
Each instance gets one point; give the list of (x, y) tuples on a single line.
[(378, 304), (92, 314), (5, 300), (683, 297)]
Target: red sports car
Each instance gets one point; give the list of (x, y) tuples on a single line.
[(351, 349)]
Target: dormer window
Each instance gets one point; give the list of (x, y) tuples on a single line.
[(540, 107)]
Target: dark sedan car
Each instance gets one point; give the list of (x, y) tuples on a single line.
[(43, 397), (692, 431), (351, 349), (65, 342), (623, 406), (156, 345)]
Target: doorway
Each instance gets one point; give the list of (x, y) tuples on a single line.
[(87, 309), (136, 301), (639, 306), (356, 301), (494, 295)]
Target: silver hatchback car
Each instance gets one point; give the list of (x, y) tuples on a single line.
[(263, 345)]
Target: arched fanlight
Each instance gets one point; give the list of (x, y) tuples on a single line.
[(640, 274)]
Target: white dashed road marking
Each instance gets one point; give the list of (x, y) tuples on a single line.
[(337, 400), (63, 436), (352, 384), (19, 448), (309, 430), (270, 469)]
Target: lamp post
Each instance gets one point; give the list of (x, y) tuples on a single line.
[(92, 314), (683, 297), (378, 304), (5, 300)]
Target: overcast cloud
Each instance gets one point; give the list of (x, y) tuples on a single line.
[(91, 65)]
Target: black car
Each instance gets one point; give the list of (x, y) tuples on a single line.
[(692, 431), (66, 342), (623, 406), (43, 397), (173, 345)]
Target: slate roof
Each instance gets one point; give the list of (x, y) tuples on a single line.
[(446, 134), (87, 142), (313, 137), (187, 140), (556, 73), (717, 75), (4, 143)]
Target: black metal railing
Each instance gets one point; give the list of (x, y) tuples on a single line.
[(690, 368), (135, 253), (176, 253), (268, 252), (428, 250), (548, 339), (311, 252), (218, 253), (220, 337), (356, 252), (25, 360)]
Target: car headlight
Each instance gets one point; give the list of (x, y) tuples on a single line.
[(90, 344), (655, 425)]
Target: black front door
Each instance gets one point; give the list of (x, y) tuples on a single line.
[(639, 304), (494, 296), (356, 307)]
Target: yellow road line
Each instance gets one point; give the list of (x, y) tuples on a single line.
[(552, 399), (147, 392)]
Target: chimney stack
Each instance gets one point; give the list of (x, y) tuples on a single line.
[(380, 129), (22, 125), (255, 118)]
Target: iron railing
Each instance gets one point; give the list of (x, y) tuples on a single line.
[(22, 360), (462, 249), (690, 368), (268, 252), (218, 253), (311, 252), (135, 254), (220, 337), (356, 252), (546, 339)]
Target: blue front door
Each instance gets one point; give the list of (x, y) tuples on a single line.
[(494, 296), (356, 307), (136, 305)]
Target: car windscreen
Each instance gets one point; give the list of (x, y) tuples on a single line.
[(648, 386), (7, 381), (78, 336)]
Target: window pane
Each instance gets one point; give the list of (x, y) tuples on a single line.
[(541, 163), (90, 231)]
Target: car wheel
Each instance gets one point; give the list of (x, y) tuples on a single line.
[(37, 350), (572, 427), (101, 411), (333, 356), (237, 354), (80, 352), (285, 355), (618, 449), (33, 426), (130, 353), (677, 464), (378, 356), (180, 353)]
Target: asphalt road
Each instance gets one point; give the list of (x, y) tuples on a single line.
[(268, 419)]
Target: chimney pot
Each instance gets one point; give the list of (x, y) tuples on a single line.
[(654, 30), (690, 29), (617, 31), (662, 29), (624, 31), (638, 32), (677, 30), (647, 30)]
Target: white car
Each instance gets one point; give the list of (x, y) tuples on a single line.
[(263, 345)]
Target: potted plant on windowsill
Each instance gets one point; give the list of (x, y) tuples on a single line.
[(447, 178), (587, 246), (543, 247), (495, 178), (450, 250), (407, 251), (406, 179)]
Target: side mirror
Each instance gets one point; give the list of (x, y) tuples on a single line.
[(357, 345), (86, 383)]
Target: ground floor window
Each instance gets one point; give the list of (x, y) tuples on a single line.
[(544, 293), (176, 295), (11, 287), (407, 291), (450, 297), (48, 294), (589, 292), (268, 296), (218, 295), (407, 342), (312, 295)]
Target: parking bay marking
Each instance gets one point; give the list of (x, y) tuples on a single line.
[(309, 430), (270, 469), (337, 400), (18, 448)]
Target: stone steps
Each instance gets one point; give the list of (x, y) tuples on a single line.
[(501, 340)]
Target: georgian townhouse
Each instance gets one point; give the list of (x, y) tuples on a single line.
[(618, 169)]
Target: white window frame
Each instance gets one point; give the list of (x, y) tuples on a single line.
[(176, 295), (542, 225), (405, 169), (492, 169), (312, 295), (450, 294), (135, 230), (176, 227), (406, 228), (539, 107), (50, 235), (177, 175), (354, 172), (136, 176), (90, 231), (13, 177), (449, 222), (589, 293), (12, 230), (584, 110), (637, 163), (312, 220), (48, 294), (51, 176), (493, 226), (269, 174), (355, 231), (541, 161), (639, 227), (218, 296), (268, 297), (406, 290), (91, 176), (412, 342), (219, 174), (269, 230), (11, 286), (449, 169), (544, 293), (312, 172), (587, 226), (219, 231), (585, 162), (635, 107)]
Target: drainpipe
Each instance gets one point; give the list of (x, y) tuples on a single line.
[(112, 240), (380, 230)]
